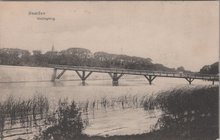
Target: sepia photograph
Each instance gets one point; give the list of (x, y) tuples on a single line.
[(109, 70)]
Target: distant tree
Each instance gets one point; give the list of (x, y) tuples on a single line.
[(214, 68), (36, 52), (77, 57), (210, 69), (11, 56), (37, 58), (51, 57), (24, 56), (181, 68), (104, 59)]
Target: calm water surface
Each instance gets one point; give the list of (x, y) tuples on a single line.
[(25, 82)]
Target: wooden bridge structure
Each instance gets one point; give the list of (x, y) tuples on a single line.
[(116, 73)]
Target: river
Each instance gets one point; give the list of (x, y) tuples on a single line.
[(24, 82)]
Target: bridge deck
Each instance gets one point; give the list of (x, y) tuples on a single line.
[(139, 72)]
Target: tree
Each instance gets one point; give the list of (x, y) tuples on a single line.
[(37, 52), (210, 69), (11, 56), (181, 68), (36, 57), (69, 124)]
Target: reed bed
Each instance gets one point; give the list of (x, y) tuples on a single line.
[(18, 113), (121, 102), (13, 109), (22, 111), (19, 108), (188, 112)]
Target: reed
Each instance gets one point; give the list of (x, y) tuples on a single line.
[(120, 102), (22, 111), (188, 111)]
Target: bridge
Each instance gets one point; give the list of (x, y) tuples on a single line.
[(116, 73)]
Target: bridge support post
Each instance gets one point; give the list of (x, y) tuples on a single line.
[(83, 76), (54, 75), (58, 77), (150, 78), (115, 77), (189, 80), (213, 82)]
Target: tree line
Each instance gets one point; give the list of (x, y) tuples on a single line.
[(77, 57), (210, 69)]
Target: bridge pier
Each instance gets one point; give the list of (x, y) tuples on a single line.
[(58, 77), (213, 82), (83, 76), (54, 75), (150, 78), (189, 80), (115, 77)]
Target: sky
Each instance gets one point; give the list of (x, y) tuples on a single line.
[(171, 33)]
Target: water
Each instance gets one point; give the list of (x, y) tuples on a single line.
[(24, 82)]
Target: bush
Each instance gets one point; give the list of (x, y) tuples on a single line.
[(189, 112), (68, 125)]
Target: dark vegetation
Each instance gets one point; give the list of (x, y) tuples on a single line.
[(77, 57), (68, 124), (189, 113), (64, 123), (14, 111), (210, 69)]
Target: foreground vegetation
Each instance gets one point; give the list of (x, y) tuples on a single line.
[(13, 111), (188, 114), (67, 125)]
